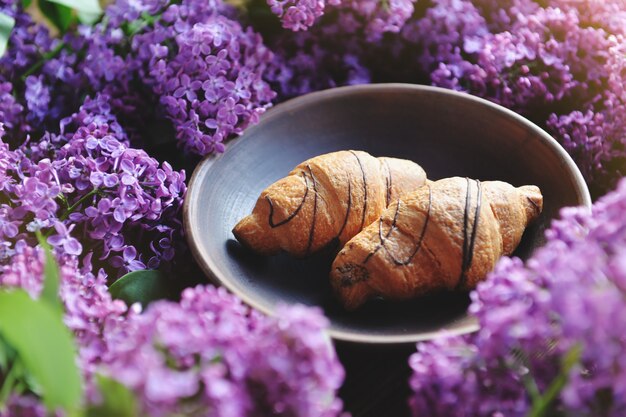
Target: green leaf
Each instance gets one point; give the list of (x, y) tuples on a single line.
[(117, 400), (44, 346), (7, 354), (11, 380), (61, 16), (6, 27), (26, 3), (50, 291), (85, 6), (88, 18), (142, 286)]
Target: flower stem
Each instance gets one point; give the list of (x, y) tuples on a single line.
[(73, 207), (47, 56), (9, 382), (542, 406)]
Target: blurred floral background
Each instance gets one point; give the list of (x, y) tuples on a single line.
[(104, 113)]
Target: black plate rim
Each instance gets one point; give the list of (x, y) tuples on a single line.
[(291, 105)]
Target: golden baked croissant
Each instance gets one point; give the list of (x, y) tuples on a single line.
[(447, 234), (326, 198)]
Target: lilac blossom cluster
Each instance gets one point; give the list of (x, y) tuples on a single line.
[(205, 70), (540, 321), (206, 352), (299, 14), (552, 64), (211, 86), (210, 352), (195, 60), (378, 16), (45, 79), (312, 60), (23, 102), (92, 194), (556, 62)]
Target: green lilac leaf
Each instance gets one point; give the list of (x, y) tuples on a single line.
[(60, 15), (142, 286), (50, 291), (84, 6), (6, 27), (117, 400), (44, 346)]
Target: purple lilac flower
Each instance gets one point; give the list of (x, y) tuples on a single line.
[(595, 133), (207, 352), (43, 80), (24, 406), (204, 69), (607, 14), (210, 352), (501, 15), (314, 60), (377, 16), (88, 185), (26, 43), (299, 14), (551, 62), (213, 86), (127, 198), (46, 77), (37, 97), (380, 17), (532, 316), (64, 241), (11, 111), (25, 46)]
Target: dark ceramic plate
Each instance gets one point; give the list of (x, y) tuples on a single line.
[(448, 133)]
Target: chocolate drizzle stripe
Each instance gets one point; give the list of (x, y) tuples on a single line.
[(468, 245), (389, 183), (535, 205), (422, 234), (364, 189), (465, 242), (382, 238), (345, 220), (476, 220), (292, 215), (312, 232)]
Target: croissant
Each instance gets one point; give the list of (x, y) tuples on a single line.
[(447, 235), (326, 198)]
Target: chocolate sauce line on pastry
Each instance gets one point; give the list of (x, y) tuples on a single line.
[(389, 183), (535, 205), (345, 220), (479, 195), (468, 202), (312, 232), (383, 240), (292, 215), (422, 235), (468, 245), (380, 233), (364, 189)]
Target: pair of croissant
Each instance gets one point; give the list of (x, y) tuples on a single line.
[(402, 235)]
